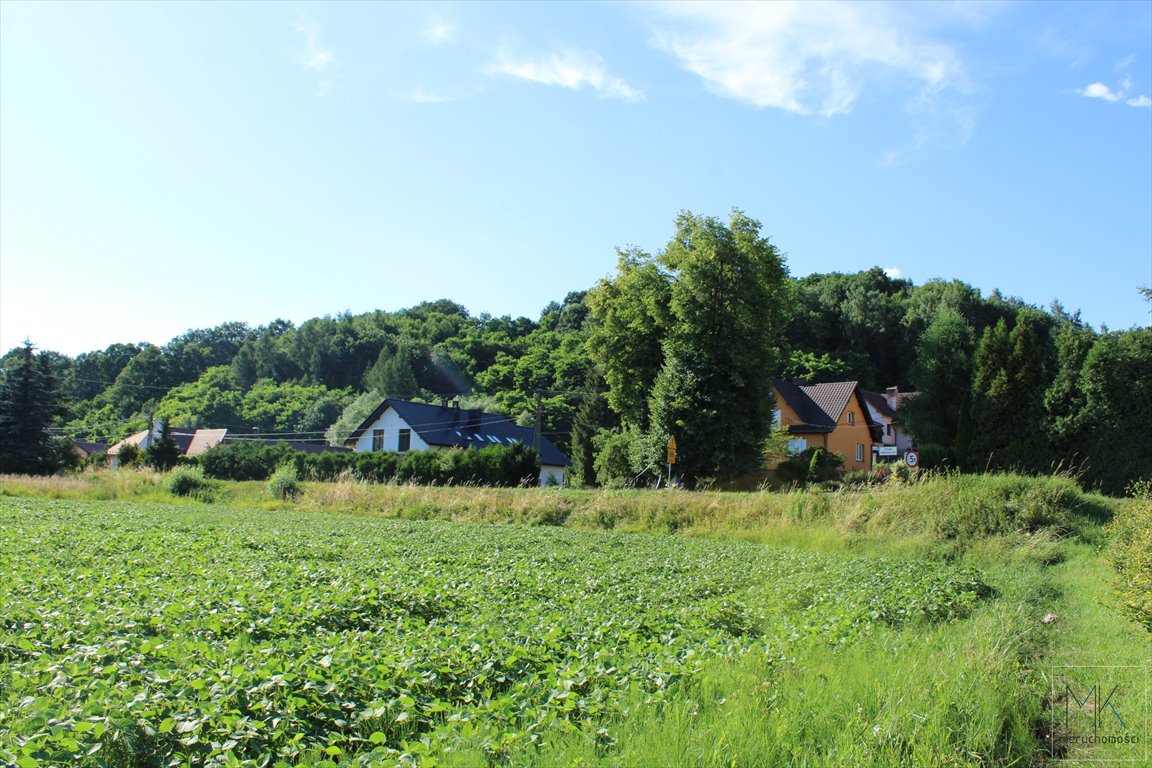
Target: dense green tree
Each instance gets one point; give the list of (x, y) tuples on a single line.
[(592, 416), (322, 413), (353, 416), (143, 382), (815, 369), (163, 453), (942, 375), (630, 314), (856, 319), (214, 400), (29, 404), (1011, 371), (269, 406), (729, 302), (689, 343), (1116, 421), (1064, 398), (93, 372), (392, 372)]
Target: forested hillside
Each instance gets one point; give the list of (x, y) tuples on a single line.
[(685, 341)]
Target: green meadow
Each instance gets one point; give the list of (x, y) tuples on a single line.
[(958, 620)]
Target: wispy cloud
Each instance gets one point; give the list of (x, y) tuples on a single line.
[(317, 56), (439, 30), (1119, 93), (809, 58), (421, 95), (893, 272), (568, 69)]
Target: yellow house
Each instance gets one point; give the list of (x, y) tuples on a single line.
[(831, 416)]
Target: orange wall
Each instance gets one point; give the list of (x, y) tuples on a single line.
[(843, 440), (846, 437)]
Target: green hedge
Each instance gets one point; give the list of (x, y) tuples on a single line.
[(506, 466), (1130, 550)]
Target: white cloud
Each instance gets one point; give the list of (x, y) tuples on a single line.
[(439, 30), (1124, 63), (803, 57), (1099, 91), (316, 55), (1102, 91), (568, 69), (893, 272), (422, 96)]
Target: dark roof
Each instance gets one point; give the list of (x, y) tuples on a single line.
[(461, 428), (818, 405), (90, 448), (295, 445), (879, 402), (812, 417)]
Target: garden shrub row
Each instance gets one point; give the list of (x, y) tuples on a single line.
[(504, 466), (1130, 550)]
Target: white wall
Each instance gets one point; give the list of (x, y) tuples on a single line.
[(551, 475), (391, 423)]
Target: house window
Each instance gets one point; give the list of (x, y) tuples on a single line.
[(851, 418), (377, 439), (405, 441), (859, 451), (776, 419), (797, 446)]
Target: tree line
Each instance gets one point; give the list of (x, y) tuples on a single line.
[(684, 343)]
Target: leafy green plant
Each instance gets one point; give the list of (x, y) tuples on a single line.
[(284, 484), (1130, 552), (141, 633)]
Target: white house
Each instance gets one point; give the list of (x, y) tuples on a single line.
[(882, 407), (402, 426)]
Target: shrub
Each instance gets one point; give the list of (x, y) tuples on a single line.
[(1130, 551), (190, 481), (284, 483), (244, 460), (419, 467), (814, 465)]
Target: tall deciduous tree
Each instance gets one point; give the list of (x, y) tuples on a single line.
[(730, 301), (689, 342), (28, 404), (630, 316)]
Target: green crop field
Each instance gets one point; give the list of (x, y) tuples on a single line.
[(141, 634)]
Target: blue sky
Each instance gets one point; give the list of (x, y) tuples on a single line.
[(169, 166)]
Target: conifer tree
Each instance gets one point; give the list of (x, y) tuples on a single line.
[(28, 404)]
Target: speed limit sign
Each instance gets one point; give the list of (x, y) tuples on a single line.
[(911, 458)]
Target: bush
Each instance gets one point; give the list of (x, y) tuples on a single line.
[(1130, 551), (244, 460), (186, 481), (284, 483), (814, 465)]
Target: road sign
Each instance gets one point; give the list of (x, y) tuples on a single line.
[(911, 458), (887, 450), (672, 450)]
